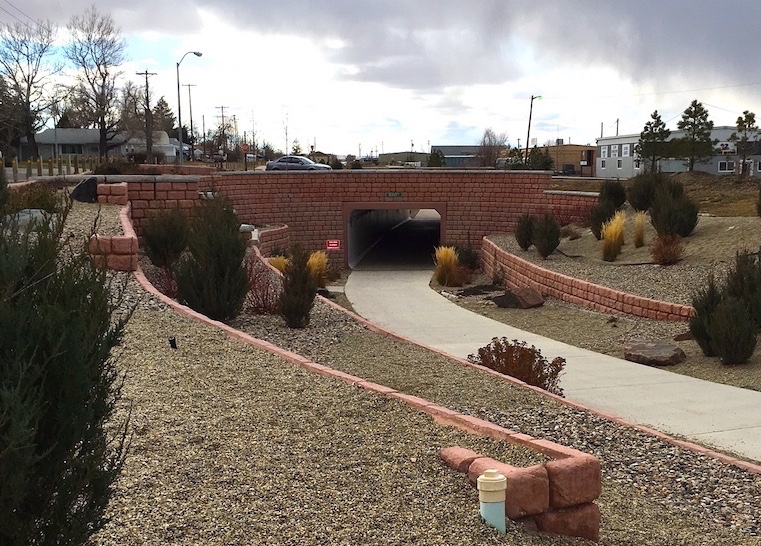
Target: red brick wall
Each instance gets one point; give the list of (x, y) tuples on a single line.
[(148, 194), (519, 272), (477, 203)]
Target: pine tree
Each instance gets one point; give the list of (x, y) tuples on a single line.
[(696, 145), (164, 118), (745, 139), (652, 140)]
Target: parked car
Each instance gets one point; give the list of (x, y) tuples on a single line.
[(295, 163)]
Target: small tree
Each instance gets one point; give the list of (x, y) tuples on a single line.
[(492, 145), (696, 145), (652, 141), (745, 139), (540, 160), (437, 159)]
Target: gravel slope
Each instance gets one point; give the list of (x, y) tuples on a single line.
[(234, 446)]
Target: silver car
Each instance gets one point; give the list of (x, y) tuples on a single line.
[(295, 163)]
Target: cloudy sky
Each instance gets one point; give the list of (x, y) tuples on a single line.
[(390, 75)]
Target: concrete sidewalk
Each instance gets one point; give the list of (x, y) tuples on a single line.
[(711, 414)]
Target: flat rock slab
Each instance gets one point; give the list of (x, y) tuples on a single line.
[(521, 298), (653, 353)]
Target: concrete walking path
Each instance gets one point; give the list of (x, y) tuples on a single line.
[(715, 415)]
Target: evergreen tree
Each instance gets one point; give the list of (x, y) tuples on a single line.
[(437, 159), (652, 140), (163, 118), (540, 160), (745, 139), (696, 145)]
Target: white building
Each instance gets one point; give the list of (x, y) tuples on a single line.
[(617, 157)]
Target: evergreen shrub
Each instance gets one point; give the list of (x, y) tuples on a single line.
[(212, 278), (524, 230), (525, 363), (704, 302), (613, 191), (642, 188), (546, 235), (673, 213), (62, 445), (299, 290), (743, 282), (599, 214), (165, 237), (732, 331)]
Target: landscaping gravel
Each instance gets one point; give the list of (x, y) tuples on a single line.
[(234, 446)]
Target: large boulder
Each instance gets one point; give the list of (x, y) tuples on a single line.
[(520, 298), (653, 353), (86, 191)]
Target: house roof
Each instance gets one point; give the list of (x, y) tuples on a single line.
[(67, 136), (465, 150)]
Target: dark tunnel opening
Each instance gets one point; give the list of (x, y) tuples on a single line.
[(393, 238)]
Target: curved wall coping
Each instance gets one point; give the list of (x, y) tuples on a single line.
[(522, 273)]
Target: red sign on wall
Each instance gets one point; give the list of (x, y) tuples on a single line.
[(333, 244)]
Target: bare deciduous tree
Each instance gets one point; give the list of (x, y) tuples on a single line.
[(27, 64), (491, 147), (97, 49)]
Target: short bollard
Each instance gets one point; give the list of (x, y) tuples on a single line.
[(491, 495)]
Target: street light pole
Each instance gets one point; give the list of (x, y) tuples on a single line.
[(528, 133), (179, 102), (192, 133)]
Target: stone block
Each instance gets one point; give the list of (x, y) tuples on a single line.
[(528, 489), (458, 458), (574, 480), (579, 521), (653, 353)]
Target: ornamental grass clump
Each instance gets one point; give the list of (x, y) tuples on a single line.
[(639, 229), (318, 267), (516, 359), (278, 262), (264, 287), (212, 278), (447, 262), (524, 230), (613, 237), (667, 249), (546, 235)]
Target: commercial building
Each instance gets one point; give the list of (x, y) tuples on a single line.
[(617, 156)]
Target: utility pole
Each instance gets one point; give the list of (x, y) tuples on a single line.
[(192, 134), (224, 138), (203, 128), (148, 118)]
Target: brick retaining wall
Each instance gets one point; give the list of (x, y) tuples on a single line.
[(519, 272)]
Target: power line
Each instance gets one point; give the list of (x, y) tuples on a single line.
[(20, 11)]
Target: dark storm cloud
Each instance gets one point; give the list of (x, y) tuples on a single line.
[(427, 44)]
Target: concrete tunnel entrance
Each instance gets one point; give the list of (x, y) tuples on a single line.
[(401, 236)]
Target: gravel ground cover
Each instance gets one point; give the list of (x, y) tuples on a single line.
[(235, 446)]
